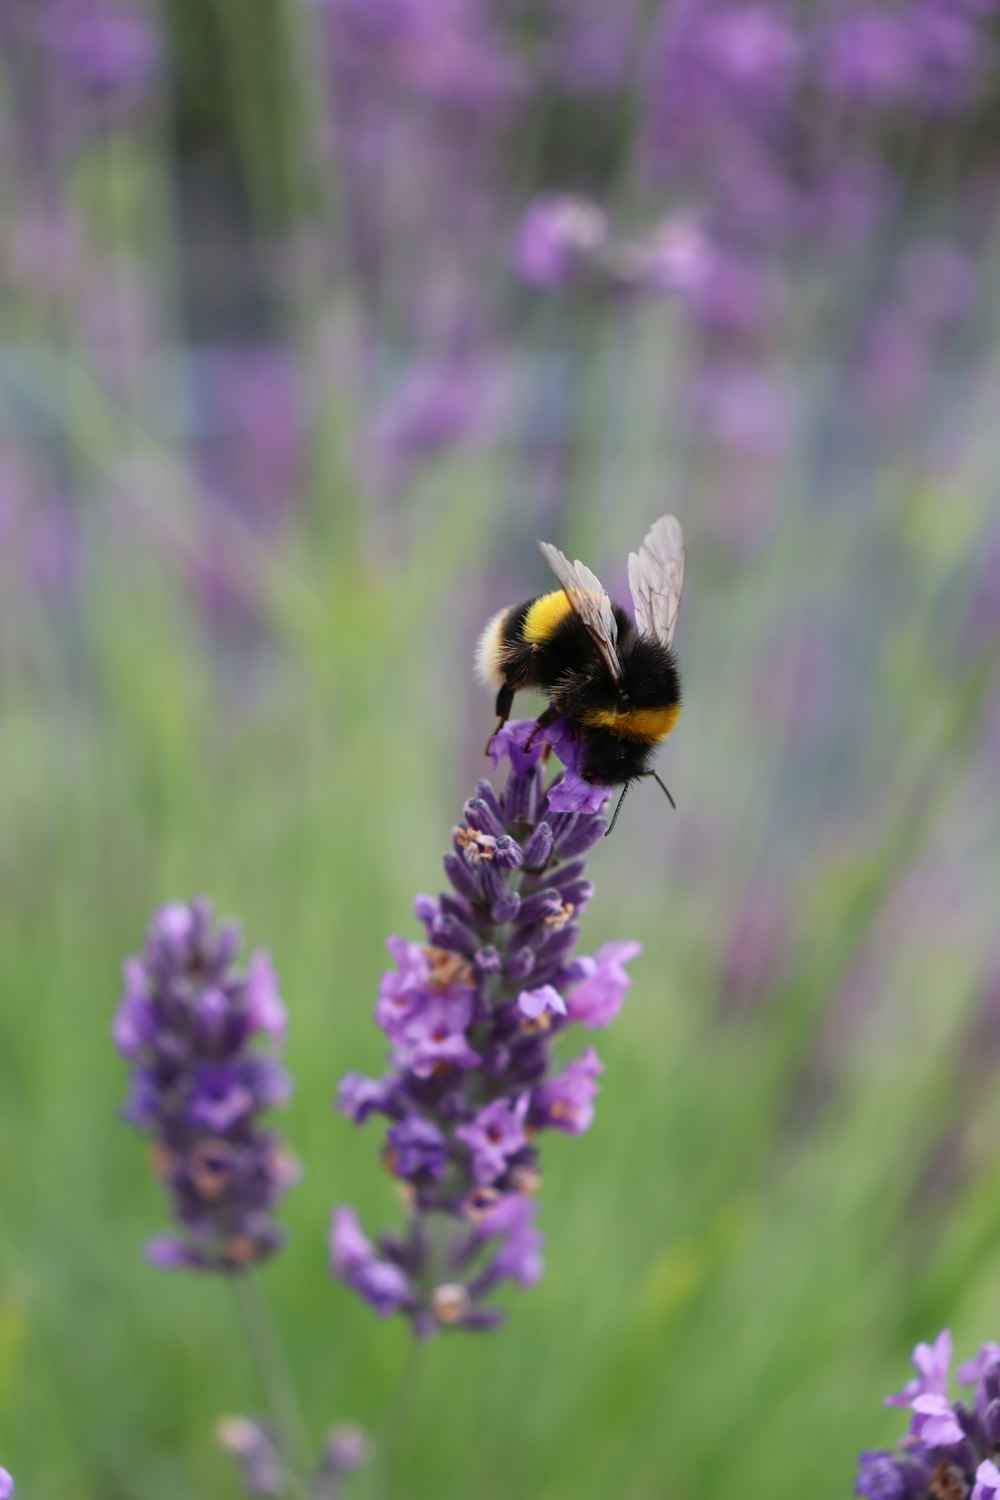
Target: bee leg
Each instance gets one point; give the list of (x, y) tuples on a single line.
[(504, 704), (543, 721)]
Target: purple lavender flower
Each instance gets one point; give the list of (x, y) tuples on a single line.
[(6, 1484), (558, 240), (186, 1023), (948, 1448), (346, 1450), (932, 1362), (471, 1015), (987, 1481), (257, 1453), (600, 994)]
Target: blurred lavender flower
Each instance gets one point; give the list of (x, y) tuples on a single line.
[(186, 1024), (558, 240), (263, 1467), (109, 51), (948, 1449), (256, 1452), (6, 1484), (346, 1450), (437, 405), (471, 1015)]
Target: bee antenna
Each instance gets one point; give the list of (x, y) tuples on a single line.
[(618, 808), (665, 789)]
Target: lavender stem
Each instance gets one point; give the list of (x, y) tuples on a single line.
[(395, 1422), (276, 1379)]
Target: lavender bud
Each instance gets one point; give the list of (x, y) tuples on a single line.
[(539, 847)]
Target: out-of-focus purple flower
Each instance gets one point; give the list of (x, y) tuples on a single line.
[(567, 1100), (345, 1450), (256, 1452), (494, 1135), (868, 56), (447, 55), (6, 1484), (883, 1476), (987, 1481), (558, 240), (360, 1097), (437, 405), (471, 1015), (102, 48), (416, 1146), (986, 1362), (541, 1002), (353, 1258), (673, 257), (186, 1023), (932, 1362), (600, 994), (935, 1423)]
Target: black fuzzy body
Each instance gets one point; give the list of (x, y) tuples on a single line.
[(567, 665)]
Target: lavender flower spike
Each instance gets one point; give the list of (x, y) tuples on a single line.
[(950, 1449), (187, 1023), (471, 1015)]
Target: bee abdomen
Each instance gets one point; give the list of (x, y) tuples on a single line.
[(647, 726)]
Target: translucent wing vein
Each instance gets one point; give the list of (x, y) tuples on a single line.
[(590, 603), (656, 578)]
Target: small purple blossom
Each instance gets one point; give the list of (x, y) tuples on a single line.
[(600, 994), (495, 1134), (567, 1100), (345, 1450), (986, 1362), (987, 1481), (414, 1147), (186, 1024), (470, 1015), (883, 1476), (932, 1362), (541, 1002), (558, 240), (256, 1451), (6, 1484), (353, 1258), (935, 1423)]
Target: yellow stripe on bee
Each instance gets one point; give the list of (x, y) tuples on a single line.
[(645, 724), (545, 614)]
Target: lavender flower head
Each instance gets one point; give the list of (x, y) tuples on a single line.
[(187, 1023), (263, 1470), (950, 1447), (471, 1014)]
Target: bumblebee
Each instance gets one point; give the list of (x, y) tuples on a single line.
[(615, 682)]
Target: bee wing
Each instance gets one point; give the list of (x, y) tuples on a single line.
[(590, 603), (656, 577)]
